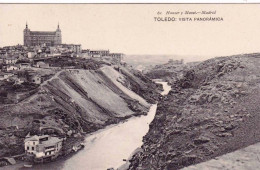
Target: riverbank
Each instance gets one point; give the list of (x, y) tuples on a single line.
[(105, 148), (166, 89)]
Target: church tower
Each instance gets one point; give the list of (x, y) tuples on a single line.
[(26, 36), (58, 35)]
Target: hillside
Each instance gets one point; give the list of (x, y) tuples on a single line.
[(75, 101), (169, 71), (212, 109)]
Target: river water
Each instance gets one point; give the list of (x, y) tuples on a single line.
[(108, 147)]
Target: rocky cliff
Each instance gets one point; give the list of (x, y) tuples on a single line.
[(213, 108), (75, 101), (169, 71)]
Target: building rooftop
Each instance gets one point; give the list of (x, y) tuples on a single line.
[(51, 141), (98, 50), (42, 32), (11, 57), (35, 138)]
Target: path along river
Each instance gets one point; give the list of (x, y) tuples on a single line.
[(107, 147)]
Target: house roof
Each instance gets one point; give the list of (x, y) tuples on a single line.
[(35, 138), (41, 62), (12, 66), (42, 32), (24, 64), (51, 141), (11, 58)]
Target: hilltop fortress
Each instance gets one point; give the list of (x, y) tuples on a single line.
[(34, 38)]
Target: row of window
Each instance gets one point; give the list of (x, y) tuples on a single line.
[(42, 38), (48, 153), (28, 148), (47, 35), (33, 148)]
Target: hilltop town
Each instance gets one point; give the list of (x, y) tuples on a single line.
[(26, 66)]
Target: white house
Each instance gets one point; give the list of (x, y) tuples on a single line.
[(10, 60), (11, 67), (23, 66), (42, 146), (41, 64)]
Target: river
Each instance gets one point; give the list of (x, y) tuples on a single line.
[(107, 147)]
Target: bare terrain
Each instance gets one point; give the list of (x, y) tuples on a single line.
[(212, 109)]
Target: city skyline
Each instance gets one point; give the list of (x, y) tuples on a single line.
[(132, 30)]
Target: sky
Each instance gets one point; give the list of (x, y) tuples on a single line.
[(131, 28)]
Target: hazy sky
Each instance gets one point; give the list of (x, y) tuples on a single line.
[(131, 29)]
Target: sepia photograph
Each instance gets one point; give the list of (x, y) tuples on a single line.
[(129, 86)]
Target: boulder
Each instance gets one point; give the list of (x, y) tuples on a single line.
[(201, 140)]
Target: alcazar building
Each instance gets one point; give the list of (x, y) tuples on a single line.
[(48, 38)]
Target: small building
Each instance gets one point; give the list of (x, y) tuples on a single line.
[(75, 48), (177, 62), (11, 68), (42, 147), (10, 60), (98, 53), (85, 55), (23, 66), (117, 56), (41, 64)]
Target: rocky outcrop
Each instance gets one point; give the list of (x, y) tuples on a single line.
[(170, 71), (213, 108)]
